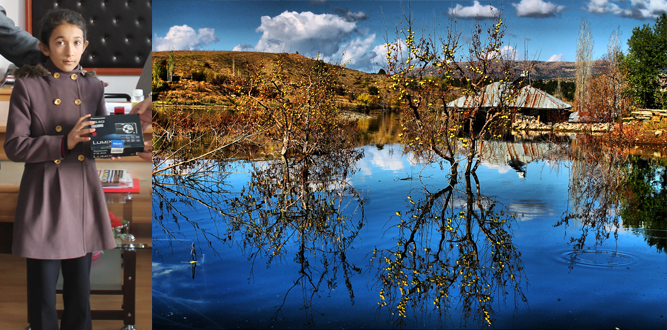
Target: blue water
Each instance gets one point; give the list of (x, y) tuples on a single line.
[(620, 282)]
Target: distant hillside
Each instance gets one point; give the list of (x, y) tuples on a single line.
[(541, 70), (228, 65), (554, 70), (240, 64)]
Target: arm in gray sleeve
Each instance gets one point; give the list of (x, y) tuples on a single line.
[(16, 45)]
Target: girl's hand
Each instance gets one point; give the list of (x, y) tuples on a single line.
[(147, 155), (79, 133), (145, 111)]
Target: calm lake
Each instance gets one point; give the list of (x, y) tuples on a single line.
[(544, 234)]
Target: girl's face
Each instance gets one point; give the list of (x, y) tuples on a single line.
[(66, 45)]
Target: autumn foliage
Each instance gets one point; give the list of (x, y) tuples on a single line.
[(431, 129), (298, 114)]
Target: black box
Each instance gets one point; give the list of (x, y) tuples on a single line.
[(116, 136)]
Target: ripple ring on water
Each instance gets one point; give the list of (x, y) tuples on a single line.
[(598, 258)]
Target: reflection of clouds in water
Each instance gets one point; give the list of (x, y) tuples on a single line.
[(160, 270), (386, 159), (502, 169), (416, 161), (528, 209), (366, 170), (332, 185), (171, 298)]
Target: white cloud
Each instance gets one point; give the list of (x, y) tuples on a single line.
[(555, 58), (639, 9), (537, 8), (398, 47), (474, 11), (508, 53), (357, 53), (243, 48), (327, 36), (600, 6), (183, 37), (351, 16), (305, 32)]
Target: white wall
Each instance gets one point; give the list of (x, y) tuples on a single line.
[(120, 84), (117, 84)]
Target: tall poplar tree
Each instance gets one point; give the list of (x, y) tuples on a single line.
[(584, 57)]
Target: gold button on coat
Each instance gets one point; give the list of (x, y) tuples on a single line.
[(73, 76), (56, 101), (57, 161), (59, 128), (77, 102), (81, 158), (56, 75)]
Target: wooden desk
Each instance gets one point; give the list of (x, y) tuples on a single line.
[(5, 92)]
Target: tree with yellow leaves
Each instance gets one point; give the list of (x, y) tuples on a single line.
[(433, 130)]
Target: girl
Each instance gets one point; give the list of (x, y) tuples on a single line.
[(61, 216)]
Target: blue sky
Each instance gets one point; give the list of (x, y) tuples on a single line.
[(353, 32)]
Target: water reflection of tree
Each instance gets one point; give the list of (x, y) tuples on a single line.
[(596, 175), (191, 156), (454, 250), (606, 185), (644, 200), (305, 203), (189, 185)]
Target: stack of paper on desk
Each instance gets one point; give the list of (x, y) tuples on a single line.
[(115, 179)]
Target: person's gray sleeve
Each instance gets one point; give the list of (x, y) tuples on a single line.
[(146, 78), (16, 45)]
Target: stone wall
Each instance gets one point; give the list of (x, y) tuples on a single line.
[(530, 123)]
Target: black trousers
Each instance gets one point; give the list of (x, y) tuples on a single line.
[(42, 279)]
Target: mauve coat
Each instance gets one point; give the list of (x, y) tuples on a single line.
[(61, 211)]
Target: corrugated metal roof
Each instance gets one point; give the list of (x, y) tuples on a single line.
[(529, 97)]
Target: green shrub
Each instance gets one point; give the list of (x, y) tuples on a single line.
[(216, 78), (160, 70), (198, 75)]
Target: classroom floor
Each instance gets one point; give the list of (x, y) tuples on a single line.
[(13, 303)]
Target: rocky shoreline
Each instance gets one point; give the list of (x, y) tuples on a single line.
[(530, 123)]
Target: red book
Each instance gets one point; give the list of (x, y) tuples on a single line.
[(133, 189)]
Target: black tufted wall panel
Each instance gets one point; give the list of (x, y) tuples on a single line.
[(119, 31)]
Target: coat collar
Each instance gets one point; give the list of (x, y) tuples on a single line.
[(47, 69), (53, 68)]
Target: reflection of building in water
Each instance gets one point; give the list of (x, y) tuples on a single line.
[(518, 154), (518, 166)]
